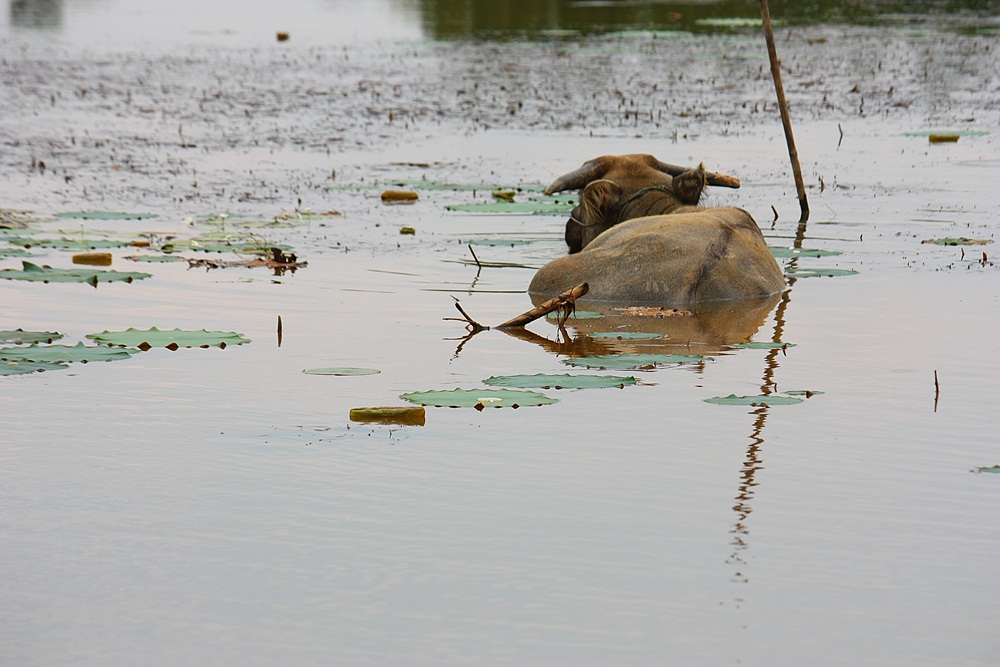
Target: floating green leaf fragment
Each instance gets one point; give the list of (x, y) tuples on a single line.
[(800, 272), (15, 252), (407, 415), (170, 338), (564, 381), (69, 244), (478, 398), (47, 274), (64, 353), (762, 345), (782, 252), (25, 367), (995, 469), (498, 242), (627, 335), (106, 215), (341, 371), (521, 208), (155, 259), (22, 337), (772, 399), (577, 315), (808, 393), (961, 240), (634, 361)]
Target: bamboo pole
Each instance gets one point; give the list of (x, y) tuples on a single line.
[(786, 121)]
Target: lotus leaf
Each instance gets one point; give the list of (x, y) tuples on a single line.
[(564, 381), (478, 398), (410, 415), (818, 273), (47, 274), (155, 259), (771, 399), (341, 371), (25, 367), (521, 208), (171, 338), (69, 244), (106, 215), (986, 469), (808, 393), (782, 252), (634, 361), (961, 240), (577, 315), (15, 252), (499, 242), (21, 337), (63, 353)]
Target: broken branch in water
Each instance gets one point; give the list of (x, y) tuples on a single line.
[(565, 300)]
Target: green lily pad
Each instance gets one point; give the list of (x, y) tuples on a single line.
[(69, 243), (63, 353), (478, 398), (220, 242), (961, 240), (521, 208), (995, 469), (761, 345), (499, 242), (171, 339), (782, 252), (626, 335), (155, 259), (25, 367), (46, 274), (106, 215), (564, 381), (341, 371), (22, 337), (460, 187), (576, 315), (800, 272), (634, 361), (772, 399), (733, 22), (808, 393), (15, 252), (959, 133)]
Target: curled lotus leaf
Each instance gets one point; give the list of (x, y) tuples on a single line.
[(771, 399), (563, 381), (63, 353), (46, 274), (478, 398), (22, 337), (634, 361), (25, 367), (171, 339)]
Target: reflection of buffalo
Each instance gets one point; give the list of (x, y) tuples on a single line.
[(638, 236), (707, 329)]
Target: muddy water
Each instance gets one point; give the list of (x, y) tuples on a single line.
[(218, 506)]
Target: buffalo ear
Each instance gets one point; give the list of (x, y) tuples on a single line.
[(597, 200), (688, 186)]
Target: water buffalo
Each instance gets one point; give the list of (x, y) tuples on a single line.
[(638, 235)]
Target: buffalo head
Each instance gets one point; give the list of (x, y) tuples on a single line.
[(615, 188)]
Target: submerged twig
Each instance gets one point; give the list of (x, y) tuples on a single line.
[(478, 263), (565, 300)]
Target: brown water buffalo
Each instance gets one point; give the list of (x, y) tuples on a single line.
[(638, 235)]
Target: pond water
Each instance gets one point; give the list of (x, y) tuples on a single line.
[(218, 506)]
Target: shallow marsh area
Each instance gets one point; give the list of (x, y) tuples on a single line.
[(217, 506)]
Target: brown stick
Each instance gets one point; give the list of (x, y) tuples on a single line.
[(786, 120), (712, 178), (567, 298)]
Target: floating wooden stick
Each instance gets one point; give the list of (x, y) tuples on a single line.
[(565, 300)]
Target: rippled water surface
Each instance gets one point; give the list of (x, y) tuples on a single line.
[(218, 506)]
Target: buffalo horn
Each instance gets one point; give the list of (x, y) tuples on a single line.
[(711, 178), (575, 180)]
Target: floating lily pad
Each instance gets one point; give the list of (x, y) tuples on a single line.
[(800, 272), (782, 252), (499, 242), (47, 274), (69, 243), (63, 353), (576, 315), (961, 240), (762, 345), (733, 22), (25, 367), (478, 398), (171, 339), (155, 259), (995, 469), (808, 393), (957, 133), (627, 335), (564, 381), (106, 215), (341, 371), (634, 361), (771, 399), (521, 208), (15, 252), (21, 337)]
